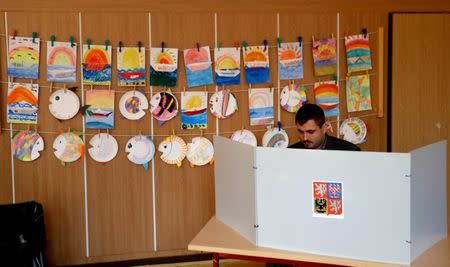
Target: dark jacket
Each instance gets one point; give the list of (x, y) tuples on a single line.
[(332, 143)]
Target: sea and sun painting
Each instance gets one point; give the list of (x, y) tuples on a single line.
[(96, 65), (23, 57), (163, 66), (290, 61), (100, 114), (61, 62), (256, 64), (131, 66)]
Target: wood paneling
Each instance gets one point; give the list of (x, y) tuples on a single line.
[(420, 82)]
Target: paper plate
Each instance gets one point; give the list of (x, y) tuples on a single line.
[(64, 104), (200, 151), (292, 97), (26, 145), (245, 137), (173, 150), (275, 138), (353, 130), (140, 149), (104, 147), (132, 105), (68, 147), (223, 104), (164, 106)]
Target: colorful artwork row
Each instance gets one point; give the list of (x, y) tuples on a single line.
[(23, 62)]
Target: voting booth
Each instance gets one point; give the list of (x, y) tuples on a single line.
[(383, 207)]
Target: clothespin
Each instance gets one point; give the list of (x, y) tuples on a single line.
[(51, 87), (139, 46), (244, 45), (332, 35), (279, 125), (265, 45), (107, 42), (162, 46), (198, 47), (65, 90), (236, 44), (53, 38), (346, 33), (72, 41), (120, 46), (313, 39), (34, 35), (364, 32), (279, 42), (218, 46), (88, 41), (300, 40), (14, 34), (173, 132)]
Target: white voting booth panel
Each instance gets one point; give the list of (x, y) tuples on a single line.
[(394, 204)]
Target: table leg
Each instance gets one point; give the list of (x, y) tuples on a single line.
[(216, 260)]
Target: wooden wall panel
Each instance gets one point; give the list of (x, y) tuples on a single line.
[(119, 192), (59, 188), (184, 196)]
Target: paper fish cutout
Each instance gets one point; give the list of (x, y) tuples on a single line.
[(64, 104), (132, 105), (275, 138), (140, 150), (68, 147), (223, 104), (163, 106), (103, 148), (292, 97), (200, 151), (26, 145), (173, 150), (353, 130), (245, 137)]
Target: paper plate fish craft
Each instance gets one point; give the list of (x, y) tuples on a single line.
[(103, 148), (173, 150), (26, 145), (140, 150), (200, 151), (164, 106), (353, 130), (68, 147), (245, 137), (223, 104), (292, 97), (132, 105), (275, 137), (64, 104)]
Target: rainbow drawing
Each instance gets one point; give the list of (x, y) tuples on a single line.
[(22, 103), (131, 66), (261, 106), (290, 61), (23, 57), (358, 53), (327, 97), (324, 54), (61, 62), (163, 66), (194, 113), (96, 65), (256, 64), (198, 66), (228, 65), (100, 114), (358, 93)]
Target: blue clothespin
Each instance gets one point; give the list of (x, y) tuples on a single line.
[(106, 44), (265, 45), (300, 40), (52, 38), (162, 46), (120, 46), (279, 125)]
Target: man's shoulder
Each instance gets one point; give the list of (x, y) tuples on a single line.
[(334, 143), (297, 145)]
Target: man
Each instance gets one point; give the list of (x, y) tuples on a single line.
[(310, 121)]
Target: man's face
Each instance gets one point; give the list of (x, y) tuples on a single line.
[(311, 134)]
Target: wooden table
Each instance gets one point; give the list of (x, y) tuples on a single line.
[(224, 242)]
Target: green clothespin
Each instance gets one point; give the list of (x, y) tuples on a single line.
[(218, 46), (72, 41), (88, 41), (279, 42), (53, 38), (244, 45), (34, 35), (107, 42)]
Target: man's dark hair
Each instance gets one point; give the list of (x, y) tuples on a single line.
[(310, 112)]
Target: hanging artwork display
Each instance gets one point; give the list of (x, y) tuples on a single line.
[(103, 148), (292, 97), (198, 66), (353, 130), (140, 150), (324, 54), (133, 104), (61, 62), (194, 110), (173, 150), (22, 103), (63, 104), (163, 106), (223, 104), (131, 66), (163, 66), (358, 53), (200, 151), (275, 137), (23, 57), (328, 199), (96, 65), (358, 93), (327, 97), (290, 61), (228, 65), (261, 106), (256, 64), (244, 136), (100, 114), (26, 145), (68, 146)]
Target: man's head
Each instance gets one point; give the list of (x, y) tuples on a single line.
[(310, 121)]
